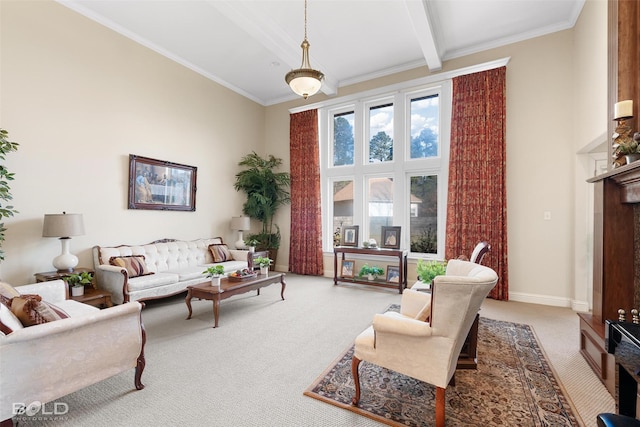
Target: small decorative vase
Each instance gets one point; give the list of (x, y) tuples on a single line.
[(215, 282), (252, 249), (370, 277), (264, 270), (77, 291)]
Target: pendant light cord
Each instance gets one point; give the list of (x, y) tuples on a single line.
[(305, 19)]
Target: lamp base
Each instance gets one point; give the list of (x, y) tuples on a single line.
[(65, 262), (240, 242)]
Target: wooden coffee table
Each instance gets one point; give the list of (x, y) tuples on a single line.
[(229, 288)]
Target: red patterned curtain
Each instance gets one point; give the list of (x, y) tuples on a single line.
[(477, 197), (305, 255)]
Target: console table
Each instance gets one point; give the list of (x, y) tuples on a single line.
[(400, 255)]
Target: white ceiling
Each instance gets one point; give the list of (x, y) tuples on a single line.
[(249, 45)]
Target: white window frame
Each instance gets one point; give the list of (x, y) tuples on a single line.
[(400, 169)]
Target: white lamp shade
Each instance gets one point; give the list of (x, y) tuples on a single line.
[(62, 225), (240, 223), (305, 85)]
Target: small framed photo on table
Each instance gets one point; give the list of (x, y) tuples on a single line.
[(393, 274), (347, 268), (390, 237), (350, 235)]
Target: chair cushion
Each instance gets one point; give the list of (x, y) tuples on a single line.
[(134, 264), (220, 253)]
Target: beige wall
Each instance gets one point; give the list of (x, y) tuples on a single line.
[(543, 77), (79, 98)]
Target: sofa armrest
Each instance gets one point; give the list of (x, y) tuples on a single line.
[(38, 360), (52, 291), (115, 280), (240, 254)]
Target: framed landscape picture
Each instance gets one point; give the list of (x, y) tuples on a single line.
[(161, 185), (350, 235), (390, 237), (347, 268)]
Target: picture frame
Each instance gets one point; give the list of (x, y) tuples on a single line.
[(161, 185), (393, 274), (350, 235), (390, 237), (348, 268)]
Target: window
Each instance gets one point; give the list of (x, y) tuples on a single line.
[(386, 164), (381, 133), (343, 139)]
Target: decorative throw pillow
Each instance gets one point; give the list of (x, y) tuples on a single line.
[(220, 253), (134, 264), (31, 310), (424, 314)]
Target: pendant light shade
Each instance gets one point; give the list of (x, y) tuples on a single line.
[(304, 81)]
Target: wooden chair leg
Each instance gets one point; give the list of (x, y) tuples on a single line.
[(355, 363), (440, 407)]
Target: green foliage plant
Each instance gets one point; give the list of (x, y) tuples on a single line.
[(262, 261), (428, 269), (266, 190), (214, 270), (6, 210), (80, 279), (370, 270)]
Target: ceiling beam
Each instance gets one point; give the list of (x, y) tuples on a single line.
[(425, 32), (272, 37)]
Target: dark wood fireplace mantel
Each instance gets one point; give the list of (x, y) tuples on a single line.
[(616, 195)]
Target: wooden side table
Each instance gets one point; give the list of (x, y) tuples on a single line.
[(55, 275), (95, 297)]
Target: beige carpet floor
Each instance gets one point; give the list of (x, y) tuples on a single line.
[(253, 369)]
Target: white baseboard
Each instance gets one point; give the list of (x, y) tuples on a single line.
[(581, 306)]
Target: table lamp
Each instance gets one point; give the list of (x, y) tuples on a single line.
[(64, 226), (240, 223)]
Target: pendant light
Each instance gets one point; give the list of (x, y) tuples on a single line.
[(305, 81)]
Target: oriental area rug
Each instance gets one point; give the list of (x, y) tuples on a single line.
[(513, 386)]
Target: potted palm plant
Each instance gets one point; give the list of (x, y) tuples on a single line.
[(215, 272), (266, 190)]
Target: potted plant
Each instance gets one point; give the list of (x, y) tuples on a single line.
[(264, 264), (251, 244), (428, 269), (6, 211), (77, 282), (630, 147), (372, 272), (214, 272), (266, 190)]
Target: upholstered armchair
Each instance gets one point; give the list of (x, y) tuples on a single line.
[(427, 349)]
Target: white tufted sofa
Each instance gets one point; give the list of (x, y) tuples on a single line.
[(175, 264)]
